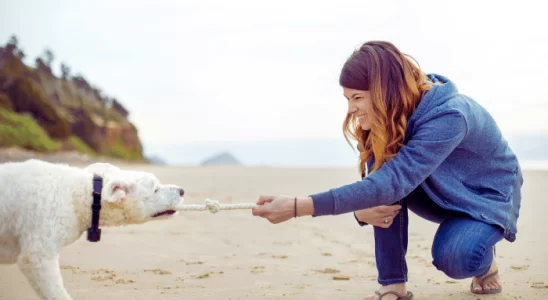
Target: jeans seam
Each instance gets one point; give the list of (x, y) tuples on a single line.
[(486, 251), (401, 243)]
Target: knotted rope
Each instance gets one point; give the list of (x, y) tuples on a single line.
[(213, 206)]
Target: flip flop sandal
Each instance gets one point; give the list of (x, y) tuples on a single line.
[(409, 295), (482, 279), (495, 291)]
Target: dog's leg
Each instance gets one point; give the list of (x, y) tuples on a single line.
[(44, 275), (7, 255), (8, 252)]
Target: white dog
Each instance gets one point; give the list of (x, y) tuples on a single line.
[(44, 207)]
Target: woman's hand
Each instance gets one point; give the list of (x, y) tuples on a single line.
[(380, 216), (278, 209)]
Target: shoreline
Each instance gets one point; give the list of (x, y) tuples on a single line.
[(73, 157)]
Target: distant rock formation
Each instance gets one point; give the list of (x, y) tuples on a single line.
[(223, 158)]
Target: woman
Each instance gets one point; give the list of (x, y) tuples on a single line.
[(426, 148)]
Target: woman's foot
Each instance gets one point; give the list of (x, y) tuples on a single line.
[(399, 288), (486, 283)]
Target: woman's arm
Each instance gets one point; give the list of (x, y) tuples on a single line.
[(434, 140)]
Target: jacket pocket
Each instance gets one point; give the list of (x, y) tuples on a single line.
[(483, 190)]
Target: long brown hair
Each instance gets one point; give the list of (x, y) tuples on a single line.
[(396, 86)]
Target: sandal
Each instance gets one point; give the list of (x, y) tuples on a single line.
[(485, 277), (482, 279), (409, 295)]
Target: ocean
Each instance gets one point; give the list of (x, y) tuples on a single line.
[(330, 152)]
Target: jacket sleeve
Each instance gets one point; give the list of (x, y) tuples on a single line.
[(432, 142)]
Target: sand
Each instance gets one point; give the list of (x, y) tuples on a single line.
[(233, 255)]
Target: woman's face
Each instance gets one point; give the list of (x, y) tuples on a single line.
[(360, 106)]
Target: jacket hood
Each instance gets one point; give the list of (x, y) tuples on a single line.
[(442, 91)]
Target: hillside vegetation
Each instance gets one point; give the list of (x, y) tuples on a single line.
[(42, 112)]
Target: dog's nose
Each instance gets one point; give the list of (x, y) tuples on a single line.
[(181, 192)]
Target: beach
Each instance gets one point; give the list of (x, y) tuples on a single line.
[(233, 255)]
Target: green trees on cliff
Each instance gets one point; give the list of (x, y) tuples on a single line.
[(73, 113)]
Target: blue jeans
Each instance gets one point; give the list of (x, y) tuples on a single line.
[(462, 247)]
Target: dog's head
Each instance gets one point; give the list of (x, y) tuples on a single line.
[(134, 197)]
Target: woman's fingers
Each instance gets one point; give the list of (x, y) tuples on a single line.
[(265, 199), (389, 209), (261, 210), (389, 219)]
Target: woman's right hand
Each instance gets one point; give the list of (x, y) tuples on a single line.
[(380, 216)]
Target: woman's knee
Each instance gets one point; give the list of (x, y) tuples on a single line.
[(457, 260)]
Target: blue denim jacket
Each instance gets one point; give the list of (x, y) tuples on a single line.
[(455, 151)]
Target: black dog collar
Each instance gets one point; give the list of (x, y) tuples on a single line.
[(94, 232)]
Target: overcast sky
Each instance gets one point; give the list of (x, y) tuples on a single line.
[(258, 70)]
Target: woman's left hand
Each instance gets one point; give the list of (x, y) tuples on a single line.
[(276, 209)]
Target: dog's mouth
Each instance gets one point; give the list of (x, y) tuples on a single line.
[(164, 213)]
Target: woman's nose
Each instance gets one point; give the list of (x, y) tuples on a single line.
[(351, 109)]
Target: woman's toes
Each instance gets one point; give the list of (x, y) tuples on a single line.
[(475, 284), (491, 286)]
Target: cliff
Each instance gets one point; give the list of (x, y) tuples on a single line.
[(42, 112)]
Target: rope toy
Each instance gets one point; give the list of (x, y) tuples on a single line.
[(213, 206)]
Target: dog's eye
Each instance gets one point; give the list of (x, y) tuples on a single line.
[(156, 191)]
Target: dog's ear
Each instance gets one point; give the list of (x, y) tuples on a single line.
[(116, 190)]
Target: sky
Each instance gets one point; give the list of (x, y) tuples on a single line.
[(196, 71)]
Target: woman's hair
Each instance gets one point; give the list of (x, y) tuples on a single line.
[(396, 86)]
